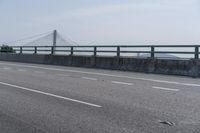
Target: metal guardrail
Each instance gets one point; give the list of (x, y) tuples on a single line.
[(118, 49)]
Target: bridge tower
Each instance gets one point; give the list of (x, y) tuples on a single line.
[(54, 37), (54, 40)]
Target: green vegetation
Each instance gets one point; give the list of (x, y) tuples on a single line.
[(7, 49)]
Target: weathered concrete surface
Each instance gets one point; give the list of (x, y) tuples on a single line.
[(147, 65)]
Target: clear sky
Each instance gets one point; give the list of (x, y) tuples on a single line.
[(104, 21)]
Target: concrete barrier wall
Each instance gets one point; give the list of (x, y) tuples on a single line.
[(147, 65)]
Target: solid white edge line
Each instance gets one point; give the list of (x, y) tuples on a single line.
[(163, 88), (63, 75), (89, 78), (103, 74), (123, 83), (49, 94)]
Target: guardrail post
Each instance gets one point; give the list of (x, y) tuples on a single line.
[(21, 49), (152, 52), (72, 50), (95, 51), (118, 51), (35, 49), (196, 52)]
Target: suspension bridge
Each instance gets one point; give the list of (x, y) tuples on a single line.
[(51, 38)]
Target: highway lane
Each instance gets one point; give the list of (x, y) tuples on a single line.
[(127, 104)]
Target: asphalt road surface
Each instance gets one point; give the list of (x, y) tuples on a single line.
[(54, 99)]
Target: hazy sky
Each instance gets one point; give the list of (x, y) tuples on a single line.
[(104, 21)]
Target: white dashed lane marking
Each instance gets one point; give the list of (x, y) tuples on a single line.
[(21, 70), (7, 68), (39, 72), (122, 83), (64, 75), (89, 78), (166, 89)]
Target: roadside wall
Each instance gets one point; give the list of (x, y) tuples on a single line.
[(160, 66)]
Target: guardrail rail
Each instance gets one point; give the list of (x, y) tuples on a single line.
[(118, 50)]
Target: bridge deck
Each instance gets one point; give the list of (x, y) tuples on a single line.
[(46, 98)]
